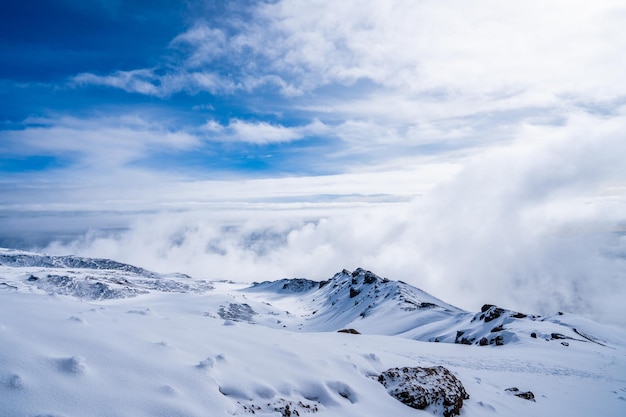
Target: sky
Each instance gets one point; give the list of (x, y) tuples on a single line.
[(473, 149)]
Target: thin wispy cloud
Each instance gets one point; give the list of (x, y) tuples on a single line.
[(262, 132)]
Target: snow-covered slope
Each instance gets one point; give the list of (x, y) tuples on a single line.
[(373, 305), (110, 339)]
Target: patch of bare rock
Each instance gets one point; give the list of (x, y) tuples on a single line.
[(433, 389)]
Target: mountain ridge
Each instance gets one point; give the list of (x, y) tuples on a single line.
[(357, 299)]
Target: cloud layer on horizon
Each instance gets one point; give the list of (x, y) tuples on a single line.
[(532, 225)]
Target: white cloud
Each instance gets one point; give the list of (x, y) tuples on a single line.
[(464, 48), (401, 71), (141, 81), (477, 57), (95, 144), (150, 82), (261, 132)]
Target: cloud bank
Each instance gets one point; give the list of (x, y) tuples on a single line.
[(536, 225)]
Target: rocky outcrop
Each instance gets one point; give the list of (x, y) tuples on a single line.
[(349, 331), (236, 312), (434, 389), (526, 395)]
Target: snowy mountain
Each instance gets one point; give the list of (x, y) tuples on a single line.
[(81, 336)]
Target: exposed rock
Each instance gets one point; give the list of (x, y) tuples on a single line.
[(8, 287), (434, 389), (491, 312), (284, 408), (236, 312), (370, 277), (460, 339), (354, 292), (497, 329), (87, 288), (299, 285), (486, 307), (527, 395), (350, 331), (47, 261)]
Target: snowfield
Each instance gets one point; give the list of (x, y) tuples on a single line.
[(90, 337)]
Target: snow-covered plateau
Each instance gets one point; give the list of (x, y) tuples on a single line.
[(94, 337)]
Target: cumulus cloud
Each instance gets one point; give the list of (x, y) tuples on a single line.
[(461, 48)]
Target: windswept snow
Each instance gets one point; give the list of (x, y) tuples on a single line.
[(178, 346)]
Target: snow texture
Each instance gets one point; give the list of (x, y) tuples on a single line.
[(127, 342)]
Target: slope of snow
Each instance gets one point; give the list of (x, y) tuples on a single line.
[(200, 352)]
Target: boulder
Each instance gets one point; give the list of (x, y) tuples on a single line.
[(527, 395), (433, 389)]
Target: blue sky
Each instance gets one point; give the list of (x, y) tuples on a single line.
[(298, 138)]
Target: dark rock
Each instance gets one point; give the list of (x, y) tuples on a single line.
[(499, 340), (32, 278), (528, 395), (433, 388), (350, 331), (5, 286), (533, 335), (519, 316), (556, 336), (493, 313), (565, 343), (483, 341), (236, 312), (497, 329), (459, 339), (486, 307), (297, 285), (370, 278), (354, 292)]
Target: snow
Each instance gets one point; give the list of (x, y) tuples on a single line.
[(167, 350)]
